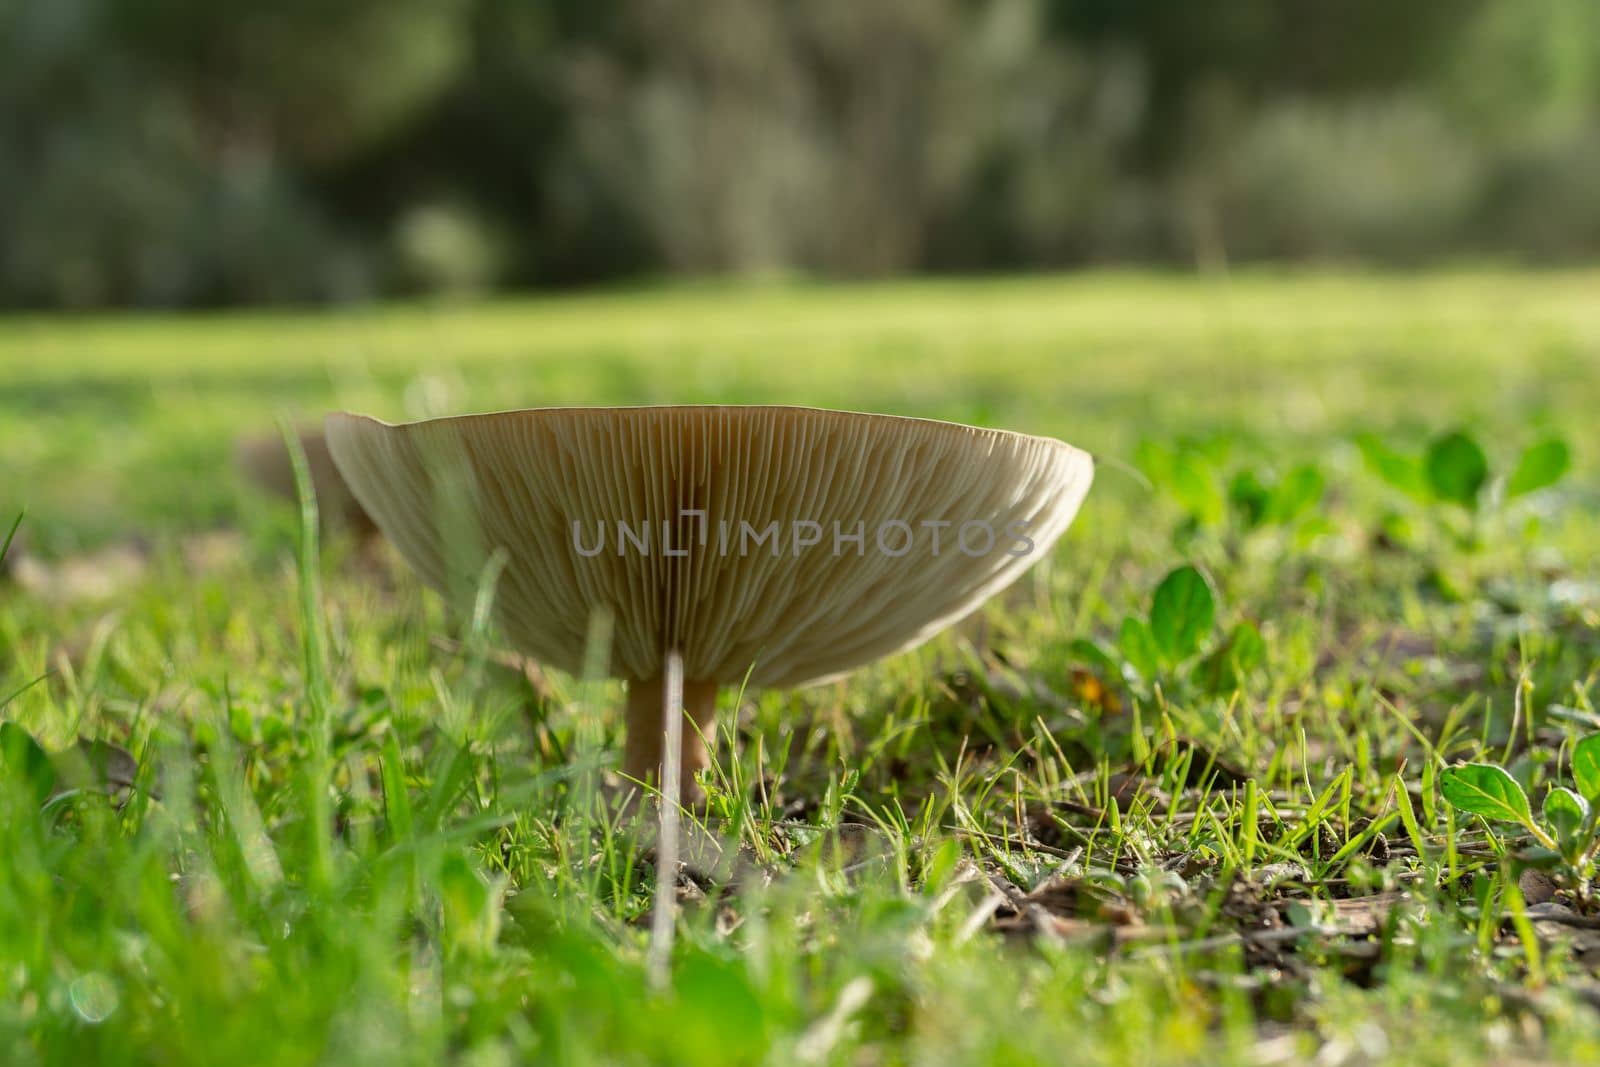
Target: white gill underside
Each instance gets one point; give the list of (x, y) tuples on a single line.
[(449, 492)]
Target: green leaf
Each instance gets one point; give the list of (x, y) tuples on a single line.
[(1248, 649), (396, 800), (1586, 768), (1408, 816), (1225, 670), (717, 1007), (452, 776), (1299, 492), (1395, 467), (22, 758), (1194, 484), (1541, 465), (1138, 648), (1249, 497), (1487, 790), (1155, 460), (469, 907), (1457, 469), (1091, 654), (1564, 812), (1181, 613)]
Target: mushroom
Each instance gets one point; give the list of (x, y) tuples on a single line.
[(782, 546), (265, 461)]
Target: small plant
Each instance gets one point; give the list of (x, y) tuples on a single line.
[(1568, 823), (1195, 477), (1455, 470), (1165, 644)]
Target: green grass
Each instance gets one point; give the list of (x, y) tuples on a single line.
[(345, 844)]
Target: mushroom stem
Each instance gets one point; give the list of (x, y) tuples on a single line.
[(642, 752)]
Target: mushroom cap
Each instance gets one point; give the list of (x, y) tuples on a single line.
[(785, 545)]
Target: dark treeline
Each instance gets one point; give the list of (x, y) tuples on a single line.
[(190, 152)]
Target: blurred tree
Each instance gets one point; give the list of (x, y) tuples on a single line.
[(316, 80), (1525, 68), (801, 134), (1524, 85), (165, 151), (497, 147), (759, 137), (1254, 48)]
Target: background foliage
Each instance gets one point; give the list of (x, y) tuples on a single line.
[(180, 152)]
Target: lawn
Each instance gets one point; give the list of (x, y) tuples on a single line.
[(330, 821)]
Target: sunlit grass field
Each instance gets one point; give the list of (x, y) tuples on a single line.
[(349, 827)]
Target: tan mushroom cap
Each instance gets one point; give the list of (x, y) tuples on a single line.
[(600, 508)]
